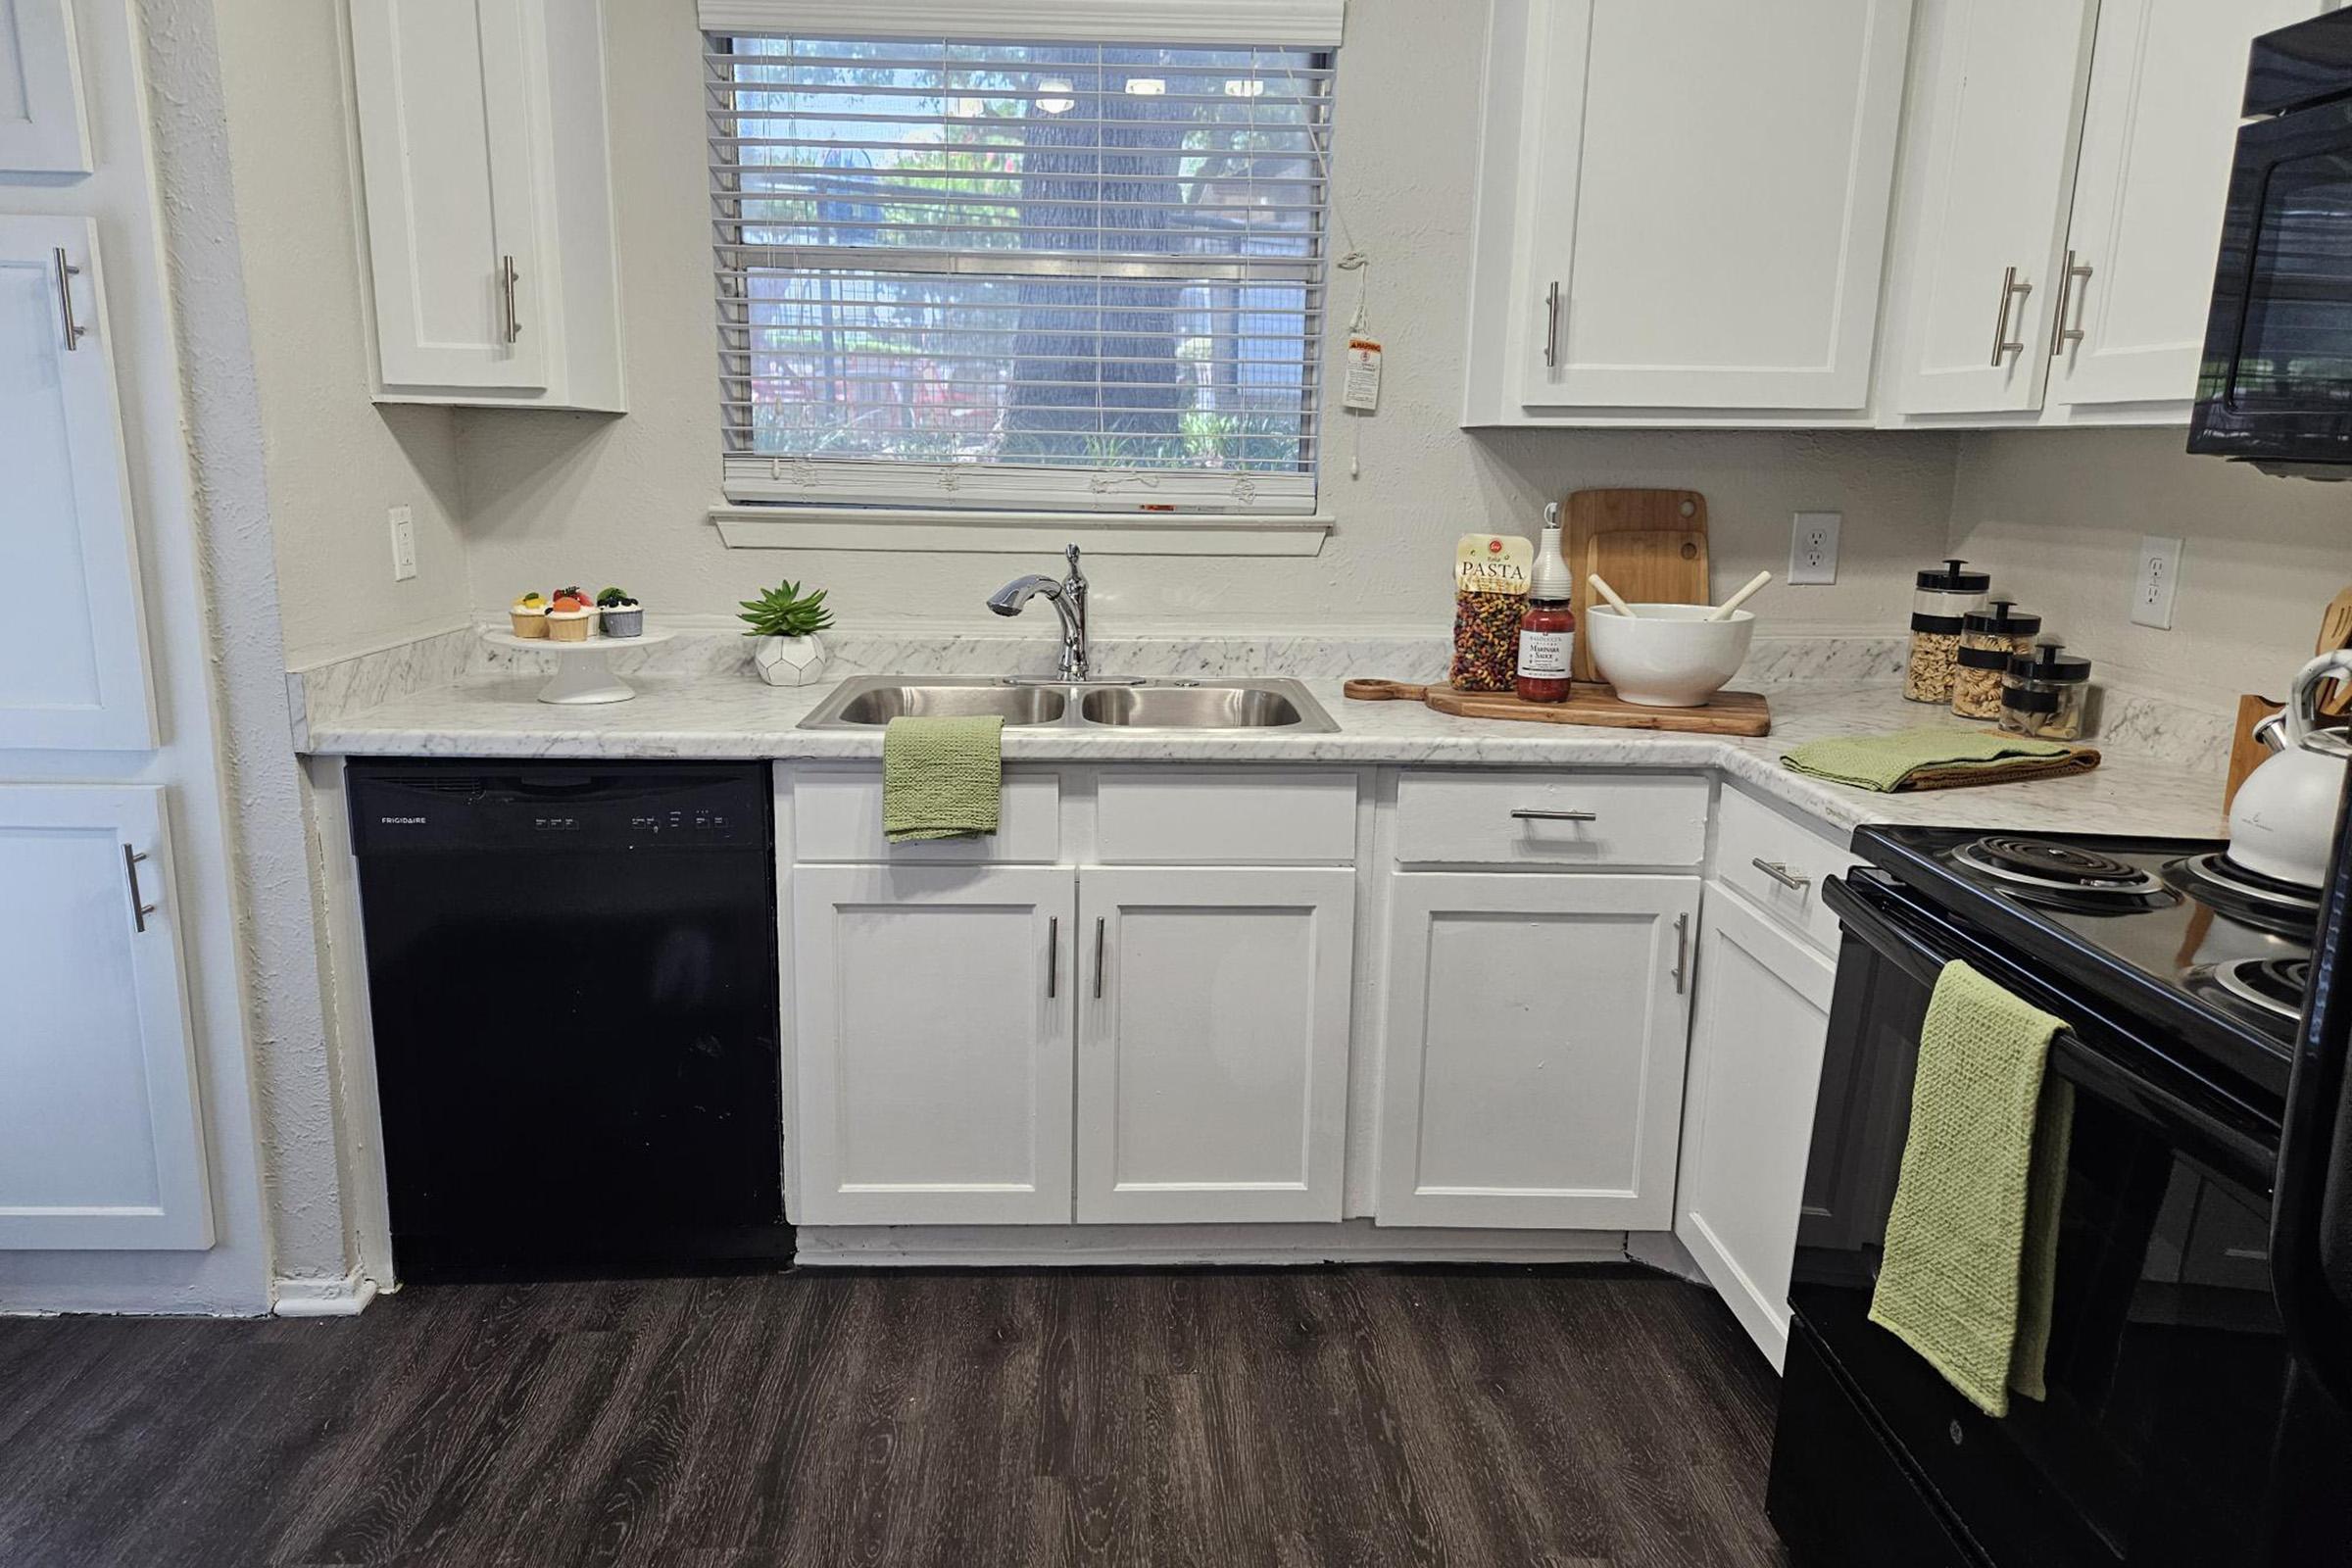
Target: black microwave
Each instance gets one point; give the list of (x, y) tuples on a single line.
[(2275, 383)]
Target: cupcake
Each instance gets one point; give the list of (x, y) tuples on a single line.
[(528, 616), (622, 615), (569, 618)]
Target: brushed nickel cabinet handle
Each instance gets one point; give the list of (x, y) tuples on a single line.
[(1681, 952), (1099, 945), (1556, 817), (507, 275), (130, 873), (74, 330), (2065, 334), (1551, 327), (1779, 871), (1053, 955), (2011, 292)]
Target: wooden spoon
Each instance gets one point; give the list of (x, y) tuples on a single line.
[(1747, 591), (1601, 586), (2335, 631)]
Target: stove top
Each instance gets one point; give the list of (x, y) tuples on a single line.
[(2169, 932)]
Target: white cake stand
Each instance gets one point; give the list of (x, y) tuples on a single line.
[(582, 675)]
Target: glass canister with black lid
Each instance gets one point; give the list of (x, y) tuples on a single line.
[(1943, 597), (1989, 638), (2044, 694)]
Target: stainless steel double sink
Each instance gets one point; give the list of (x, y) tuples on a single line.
[(869, 701)]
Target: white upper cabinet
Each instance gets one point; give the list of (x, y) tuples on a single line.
[(1212, 1043), (43, 129), (1682, 205), (1998, 95), (2158, 139), (73, 649), (100, 1142), (487, 201)]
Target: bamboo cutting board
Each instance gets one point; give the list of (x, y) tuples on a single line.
[(1725, 713), (1651, 545)]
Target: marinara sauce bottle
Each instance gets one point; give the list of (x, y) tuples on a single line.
[(1547, 628)]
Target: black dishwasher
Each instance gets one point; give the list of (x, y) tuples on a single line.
[(573, 974)]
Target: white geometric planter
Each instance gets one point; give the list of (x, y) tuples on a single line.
[(790, 660)]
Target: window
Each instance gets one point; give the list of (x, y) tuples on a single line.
[(1051, 274)]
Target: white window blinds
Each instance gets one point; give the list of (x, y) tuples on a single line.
[(1019, 275)]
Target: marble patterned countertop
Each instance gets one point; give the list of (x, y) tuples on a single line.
[(729, 714)]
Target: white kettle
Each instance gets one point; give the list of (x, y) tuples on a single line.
[(2282, 822)]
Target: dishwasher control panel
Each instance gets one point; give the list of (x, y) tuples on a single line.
[(442, 809)]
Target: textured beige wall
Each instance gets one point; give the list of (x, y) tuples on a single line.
[(336, 463), (562, 496), (2057, 516)]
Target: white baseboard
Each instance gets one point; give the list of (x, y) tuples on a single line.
[(347, 1297), (1352, 1240)]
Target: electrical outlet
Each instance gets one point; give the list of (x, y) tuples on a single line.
[(404, 544), (2154, 583), (1813, 547)]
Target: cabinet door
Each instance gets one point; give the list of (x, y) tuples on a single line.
[(2003, 85), (72, 650), (1762, 1015), (1532, 1070), (1708, 200), (446, 156), (932, 1011), (2168, 78), (1212, 1044), (100, 1142), (42, 126)]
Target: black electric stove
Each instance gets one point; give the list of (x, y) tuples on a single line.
[(2207, 960), (2183, 1423)]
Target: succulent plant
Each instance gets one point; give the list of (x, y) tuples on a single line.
[(786, 611)]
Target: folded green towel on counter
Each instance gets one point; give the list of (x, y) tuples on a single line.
[(1971, 1241), (1938, 758), (942, 778)]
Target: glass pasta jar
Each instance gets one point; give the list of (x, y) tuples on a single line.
[(1989, 638), (1943, 597), (2044, 693)]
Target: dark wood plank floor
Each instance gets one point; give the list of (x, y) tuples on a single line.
[(1361, 1416)]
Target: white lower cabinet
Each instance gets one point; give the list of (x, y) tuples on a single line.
[(932, 1010), (1212, 1043), (1756, 1042), (1533, 1069), (100, 1146)]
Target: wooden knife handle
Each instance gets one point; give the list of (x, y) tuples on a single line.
[(1384, 691)]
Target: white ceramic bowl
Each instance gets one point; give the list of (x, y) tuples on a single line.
[(1667, 656)]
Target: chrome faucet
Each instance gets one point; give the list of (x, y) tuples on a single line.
[(1069, 598)]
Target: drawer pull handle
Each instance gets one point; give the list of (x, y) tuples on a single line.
[(1682, 953), (1781, 873), (66, 271), (1556, 817)]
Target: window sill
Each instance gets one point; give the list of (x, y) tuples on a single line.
[(1017, 532)]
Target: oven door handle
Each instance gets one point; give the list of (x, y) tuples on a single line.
[(1870, 916)]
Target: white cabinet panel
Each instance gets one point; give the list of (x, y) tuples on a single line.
[(2167, 82), (1988, 188), (43, 127), (446, 150), (1213, 1054), (837, 815), (932, 1032), (1706, 200), (1532, 1069), (100, 1142), (1756, 1041), (72, 652), (1448, 817), (1174, 816), (1778, 864)]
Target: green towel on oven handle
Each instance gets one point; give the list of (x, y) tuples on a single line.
[(1971, 1241)]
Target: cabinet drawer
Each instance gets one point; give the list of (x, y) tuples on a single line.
[(837, 815), (1446, 818), (1172, 816), (1750, 837)]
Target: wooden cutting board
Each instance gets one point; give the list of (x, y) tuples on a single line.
[(1727, 714), (1651, 545)]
